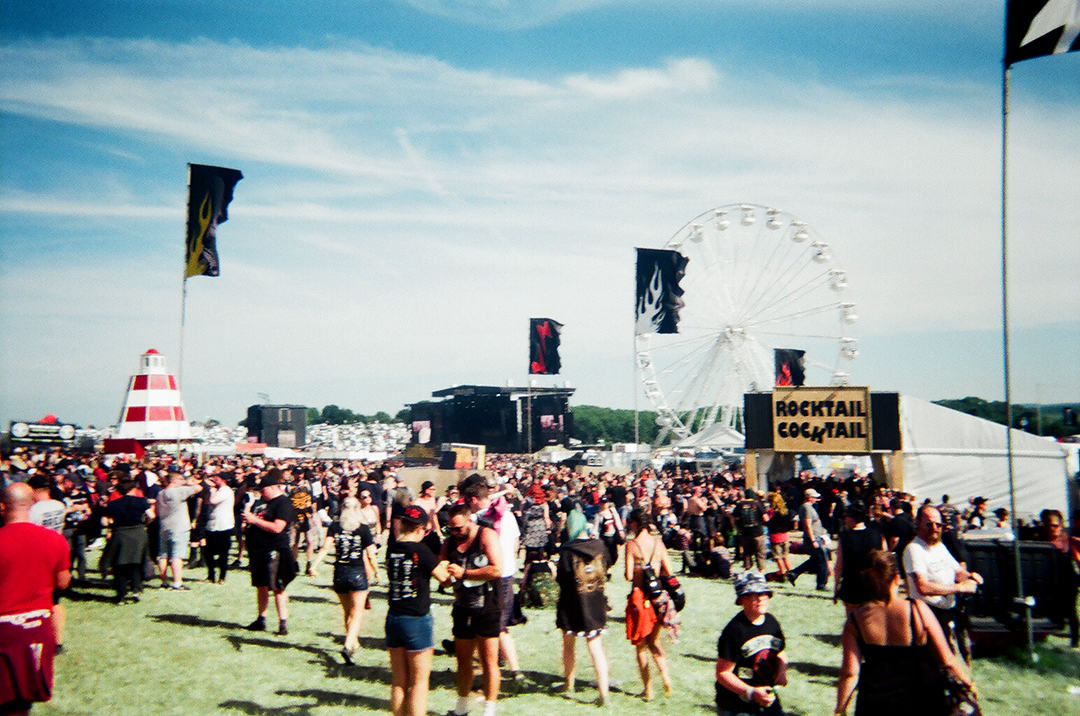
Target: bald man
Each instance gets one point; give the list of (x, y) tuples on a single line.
[(33, 562)]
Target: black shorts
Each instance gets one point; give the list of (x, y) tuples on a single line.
[(504, 597), (272, 568), (350, 579), (471, 624)]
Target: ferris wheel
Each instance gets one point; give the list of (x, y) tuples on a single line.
[(757, 279)]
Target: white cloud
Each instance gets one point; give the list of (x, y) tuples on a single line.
[(523, 14), (401, 217)]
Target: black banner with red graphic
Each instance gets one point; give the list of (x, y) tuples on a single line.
[(544, 346)]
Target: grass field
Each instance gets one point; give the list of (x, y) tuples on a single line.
[(186, 653)]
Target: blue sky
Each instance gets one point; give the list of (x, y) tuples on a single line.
[(422, 177)]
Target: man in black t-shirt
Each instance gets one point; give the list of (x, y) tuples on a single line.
[(750, 521), (269, 554)]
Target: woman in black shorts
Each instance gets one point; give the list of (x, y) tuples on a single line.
[(410, 635), (354, 562)]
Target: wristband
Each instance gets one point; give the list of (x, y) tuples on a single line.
[(749, 696)]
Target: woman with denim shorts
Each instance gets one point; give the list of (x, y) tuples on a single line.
[(410, 636)]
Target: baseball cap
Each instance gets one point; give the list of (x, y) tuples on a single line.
[(414, 514), (752, 582), (812, 493), (38, 481), (272, 477), (473, 479)]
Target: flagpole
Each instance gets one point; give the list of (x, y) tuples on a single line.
[(183, 315), (637, 382), (1021, 600)]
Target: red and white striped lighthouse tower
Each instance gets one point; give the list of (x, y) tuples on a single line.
[(153, 409)]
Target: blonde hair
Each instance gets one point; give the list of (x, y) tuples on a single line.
[(776, 501), (351, 516)]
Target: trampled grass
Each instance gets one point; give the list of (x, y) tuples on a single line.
[(187, 653)]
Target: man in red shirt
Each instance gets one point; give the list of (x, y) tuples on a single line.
[(33, 562)]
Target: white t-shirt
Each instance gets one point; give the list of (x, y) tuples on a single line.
[(506, 526), (936, 564), (221, 517), (49, 514)]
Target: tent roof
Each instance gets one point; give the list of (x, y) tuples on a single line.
[(949, 452), (716, 436), (931, 428)]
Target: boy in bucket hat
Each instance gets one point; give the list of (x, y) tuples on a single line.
[(750, 653)]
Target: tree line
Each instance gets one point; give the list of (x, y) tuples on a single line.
[(593, 425), (1056, 420)]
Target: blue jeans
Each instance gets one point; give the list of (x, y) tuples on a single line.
[(818, 562)]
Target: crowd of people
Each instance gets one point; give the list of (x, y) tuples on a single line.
[(896, 564)]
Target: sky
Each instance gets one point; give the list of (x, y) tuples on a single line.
[(423, 176)]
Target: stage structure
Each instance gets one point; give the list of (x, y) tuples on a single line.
[(512, 420), (278, 425)]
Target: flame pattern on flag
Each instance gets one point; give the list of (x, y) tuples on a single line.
[(658, 300)]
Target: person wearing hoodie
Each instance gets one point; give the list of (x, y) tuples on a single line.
[(582, 606)]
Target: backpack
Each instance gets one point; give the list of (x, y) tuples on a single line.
[(746, 515), (540, 591)]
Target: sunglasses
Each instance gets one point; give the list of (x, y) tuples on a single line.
[(459, 530)]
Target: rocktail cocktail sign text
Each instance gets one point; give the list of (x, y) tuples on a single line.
[(833, 420)]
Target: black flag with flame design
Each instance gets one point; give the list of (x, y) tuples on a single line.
[(790, 368), (659, 296), (1035, 28), (210, 189), (544, 346)]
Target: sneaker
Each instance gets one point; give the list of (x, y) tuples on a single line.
[(347, 656), (257, 625), (282, 630), (180, 587)]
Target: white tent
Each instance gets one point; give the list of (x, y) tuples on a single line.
[(952, 453), (715, 437)]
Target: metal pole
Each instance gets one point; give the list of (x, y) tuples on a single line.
[(530, 415), (183, 314), (180, 357), (637, 382), (1020, 599)]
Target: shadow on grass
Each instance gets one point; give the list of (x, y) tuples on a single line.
[(830, 639), (699, 657), (254, 709), (377, 643), (320, 696), (239, 642), (311, 600), (811, 669), (84, 596), (195, 621), (335, 698)]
